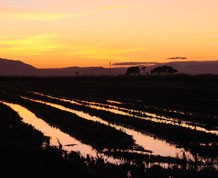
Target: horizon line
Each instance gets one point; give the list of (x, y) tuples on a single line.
[(118, 64)]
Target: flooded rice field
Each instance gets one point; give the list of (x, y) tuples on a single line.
[(146, 142)]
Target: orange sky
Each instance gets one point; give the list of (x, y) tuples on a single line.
[(59, 33)]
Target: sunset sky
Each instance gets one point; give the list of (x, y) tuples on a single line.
[(60, 33)]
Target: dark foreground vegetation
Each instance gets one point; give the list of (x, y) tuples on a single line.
[(22, 155), (26, 152)]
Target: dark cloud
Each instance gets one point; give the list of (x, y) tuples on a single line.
[(134, 63), (177, 58)]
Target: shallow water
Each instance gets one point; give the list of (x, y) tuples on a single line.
[(148, 116), (144, 140), (58, 137), (110, 107)]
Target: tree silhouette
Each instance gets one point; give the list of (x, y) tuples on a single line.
[(163, 70), (144, 69), (135, 70), (77, 73)]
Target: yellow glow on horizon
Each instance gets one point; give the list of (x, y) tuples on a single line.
[(32, 45)]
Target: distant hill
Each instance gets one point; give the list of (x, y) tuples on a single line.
[(79, 71), (11, 67), (196, 67), (18, 68)]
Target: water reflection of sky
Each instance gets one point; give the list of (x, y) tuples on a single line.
[(68, 142), (55, 134), (110, 107), (147, 116), (148, 142)]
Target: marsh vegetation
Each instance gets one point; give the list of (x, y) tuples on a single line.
[(105, 127)]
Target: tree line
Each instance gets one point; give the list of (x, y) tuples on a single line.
[(160, 70)]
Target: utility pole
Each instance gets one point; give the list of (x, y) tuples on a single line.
[(110, 68)]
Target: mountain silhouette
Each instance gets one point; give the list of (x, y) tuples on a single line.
[(19, 68), (195, 67), (11, 67)]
